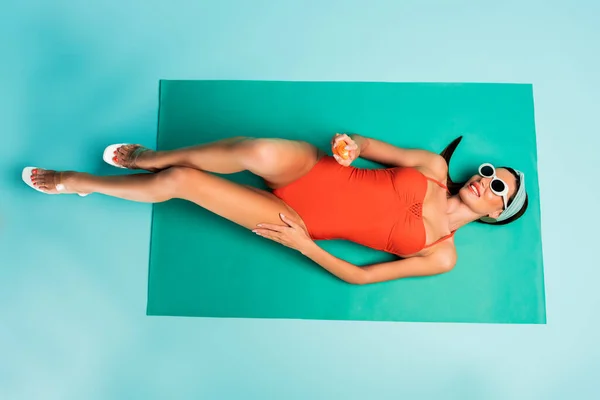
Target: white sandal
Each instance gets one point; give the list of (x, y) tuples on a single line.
[(26, 175), (109, 153)]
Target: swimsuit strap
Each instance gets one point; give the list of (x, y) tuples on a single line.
[(440, 240), (440, 184)]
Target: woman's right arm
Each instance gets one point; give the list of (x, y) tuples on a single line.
[(388, 154), (438, 262)]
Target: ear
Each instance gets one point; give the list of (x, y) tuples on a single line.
[(495, 214)]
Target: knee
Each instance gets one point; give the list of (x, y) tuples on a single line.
[(260, 154), (172, 181)]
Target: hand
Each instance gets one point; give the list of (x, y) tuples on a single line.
[(344, 149), (291, 234)]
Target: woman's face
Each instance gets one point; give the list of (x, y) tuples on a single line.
[(478, 196)]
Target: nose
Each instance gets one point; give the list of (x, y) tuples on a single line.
[(485, 182)]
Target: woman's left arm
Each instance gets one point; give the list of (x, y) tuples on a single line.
[(441, 260), (294, 236)]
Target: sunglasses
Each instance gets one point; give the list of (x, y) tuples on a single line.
[(498, 186)]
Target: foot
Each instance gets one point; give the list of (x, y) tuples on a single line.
[(135, 156), (53, 182)]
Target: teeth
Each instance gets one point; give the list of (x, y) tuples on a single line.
[(474, 189)]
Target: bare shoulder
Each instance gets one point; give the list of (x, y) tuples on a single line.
[(435, 262), (436, 168), (444, 255)]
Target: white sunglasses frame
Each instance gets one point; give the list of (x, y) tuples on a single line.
[(494, 177)]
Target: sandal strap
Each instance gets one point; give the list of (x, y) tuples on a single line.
[(60, 187), (134, 156)]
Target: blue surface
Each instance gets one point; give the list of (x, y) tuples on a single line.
[(73, 274)]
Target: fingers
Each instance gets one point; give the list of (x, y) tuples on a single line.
[(268, 234), (290, 221), (293, 236), (341, 137), (335, 141), (279, 228), (272, 227), (274, 236), (341, 161), (351, 147)]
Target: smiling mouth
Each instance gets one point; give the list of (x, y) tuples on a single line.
[(474, 189)]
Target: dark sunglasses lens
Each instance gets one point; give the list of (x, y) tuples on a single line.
[(487, 171), (497, 185)]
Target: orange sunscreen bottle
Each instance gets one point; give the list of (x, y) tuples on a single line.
[(340, 150)]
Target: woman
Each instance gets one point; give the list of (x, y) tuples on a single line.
[(411, 209)]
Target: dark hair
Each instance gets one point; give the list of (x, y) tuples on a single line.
[(454, 187)]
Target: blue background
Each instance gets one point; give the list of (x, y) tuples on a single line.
[(73, 279)]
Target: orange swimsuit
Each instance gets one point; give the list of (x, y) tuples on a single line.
[(378, 208)]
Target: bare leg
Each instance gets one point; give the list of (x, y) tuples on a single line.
[(278, 161), (243, 205), (211, 157)]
